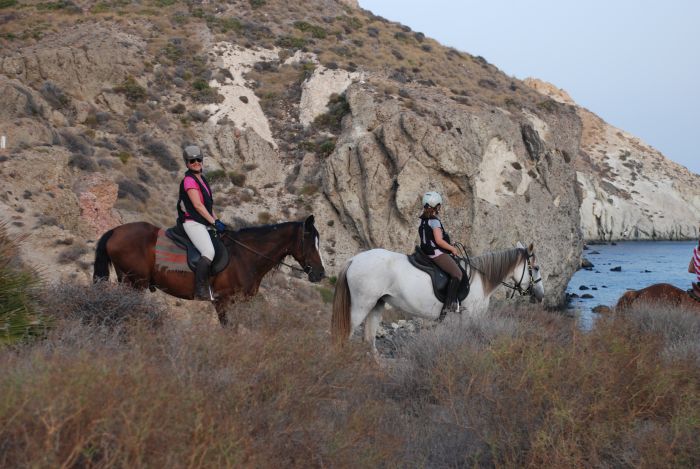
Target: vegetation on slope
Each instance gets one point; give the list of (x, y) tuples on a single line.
[(522, 388)]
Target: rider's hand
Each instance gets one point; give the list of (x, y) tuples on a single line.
[(219, 225)]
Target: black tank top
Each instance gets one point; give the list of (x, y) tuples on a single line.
[(427, 240)]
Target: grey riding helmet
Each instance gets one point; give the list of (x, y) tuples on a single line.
[(190, 152)]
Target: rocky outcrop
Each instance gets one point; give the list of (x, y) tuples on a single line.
[(240, 104), (550, 90), (82, 61), (630, 191), (495, 191), (96, 197), (319, 87)]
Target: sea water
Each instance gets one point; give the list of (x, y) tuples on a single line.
[(641, 263)]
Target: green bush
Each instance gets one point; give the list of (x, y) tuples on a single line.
[(326, 147), (7, 3), (338, 107), (19, 311), (216, 176), (316, 31), (291, 42), (326, 294), (131, 90)]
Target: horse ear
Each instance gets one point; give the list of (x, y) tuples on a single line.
[(520, 245), (309, 222), (531, 248)]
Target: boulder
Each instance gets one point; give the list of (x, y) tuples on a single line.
[(96, 197)]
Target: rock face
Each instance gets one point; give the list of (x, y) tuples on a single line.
[(96, 198), (318, 88), (495, 191), (629, 190)]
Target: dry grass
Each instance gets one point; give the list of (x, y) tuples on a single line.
[(531, 391), (191, 395), (513, 389)]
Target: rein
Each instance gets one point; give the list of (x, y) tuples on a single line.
[(293, 267)]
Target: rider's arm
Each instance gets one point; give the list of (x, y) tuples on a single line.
[(691, 266), (194, 195), (441, 243)]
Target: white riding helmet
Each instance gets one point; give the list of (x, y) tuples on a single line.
[(432, 199)]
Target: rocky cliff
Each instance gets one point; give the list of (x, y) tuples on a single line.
[(630, 191), (321, 107)]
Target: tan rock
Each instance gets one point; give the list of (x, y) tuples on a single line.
[(629, 189), (319, 87), (550, 90), (96, 197), (377, 174)]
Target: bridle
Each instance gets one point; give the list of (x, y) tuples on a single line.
[(516, 287), (306, 269)]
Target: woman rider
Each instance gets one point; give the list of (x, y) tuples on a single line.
[(694, 268), (435, 243), (195, 214)]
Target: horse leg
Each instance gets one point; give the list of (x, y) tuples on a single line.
[(221, 307), (372, 324)]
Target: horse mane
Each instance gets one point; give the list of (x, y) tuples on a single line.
[(254, 233), (494, 266), (261, 230)]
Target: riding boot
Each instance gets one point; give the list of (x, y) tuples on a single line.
[(451, 303), (201, 279)]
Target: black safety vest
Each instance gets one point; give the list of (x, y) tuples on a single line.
[(427, 240), (185, 205)]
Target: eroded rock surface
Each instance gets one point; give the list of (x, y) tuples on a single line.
[(629, 190), (495, 192)]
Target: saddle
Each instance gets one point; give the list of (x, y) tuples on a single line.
[(221, 256), (439, 278)]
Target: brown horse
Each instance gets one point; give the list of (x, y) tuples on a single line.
[(658, 294), (254, 251)]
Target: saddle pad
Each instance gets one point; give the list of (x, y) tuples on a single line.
[(170, 256)]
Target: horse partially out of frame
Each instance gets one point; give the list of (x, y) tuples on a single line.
[(374, 278), (253, 252), (658, 294)]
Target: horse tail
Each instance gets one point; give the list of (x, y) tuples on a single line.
[(102, 259), (626, 300), (340, 322)]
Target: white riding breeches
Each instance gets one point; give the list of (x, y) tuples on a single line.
[(199, 236)]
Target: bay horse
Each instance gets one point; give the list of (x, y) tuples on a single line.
[(373, 278), (658, 294), (253, 252)]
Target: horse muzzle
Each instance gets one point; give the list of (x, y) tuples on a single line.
[(316, 277)]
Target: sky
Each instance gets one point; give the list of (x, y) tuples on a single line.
[(634, 63)]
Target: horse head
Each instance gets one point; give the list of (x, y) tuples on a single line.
[(307, 253), (527, 272)]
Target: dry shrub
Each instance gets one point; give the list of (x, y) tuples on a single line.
[(104, 304), (72, 253), (513, 388), (194, 394), (523, 392)]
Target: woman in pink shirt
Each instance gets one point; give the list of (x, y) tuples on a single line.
[(196, 215)]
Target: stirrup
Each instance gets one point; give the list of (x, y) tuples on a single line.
[(451, 309)]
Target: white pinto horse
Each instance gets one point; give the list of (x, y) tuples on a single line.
[(373, 278)]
